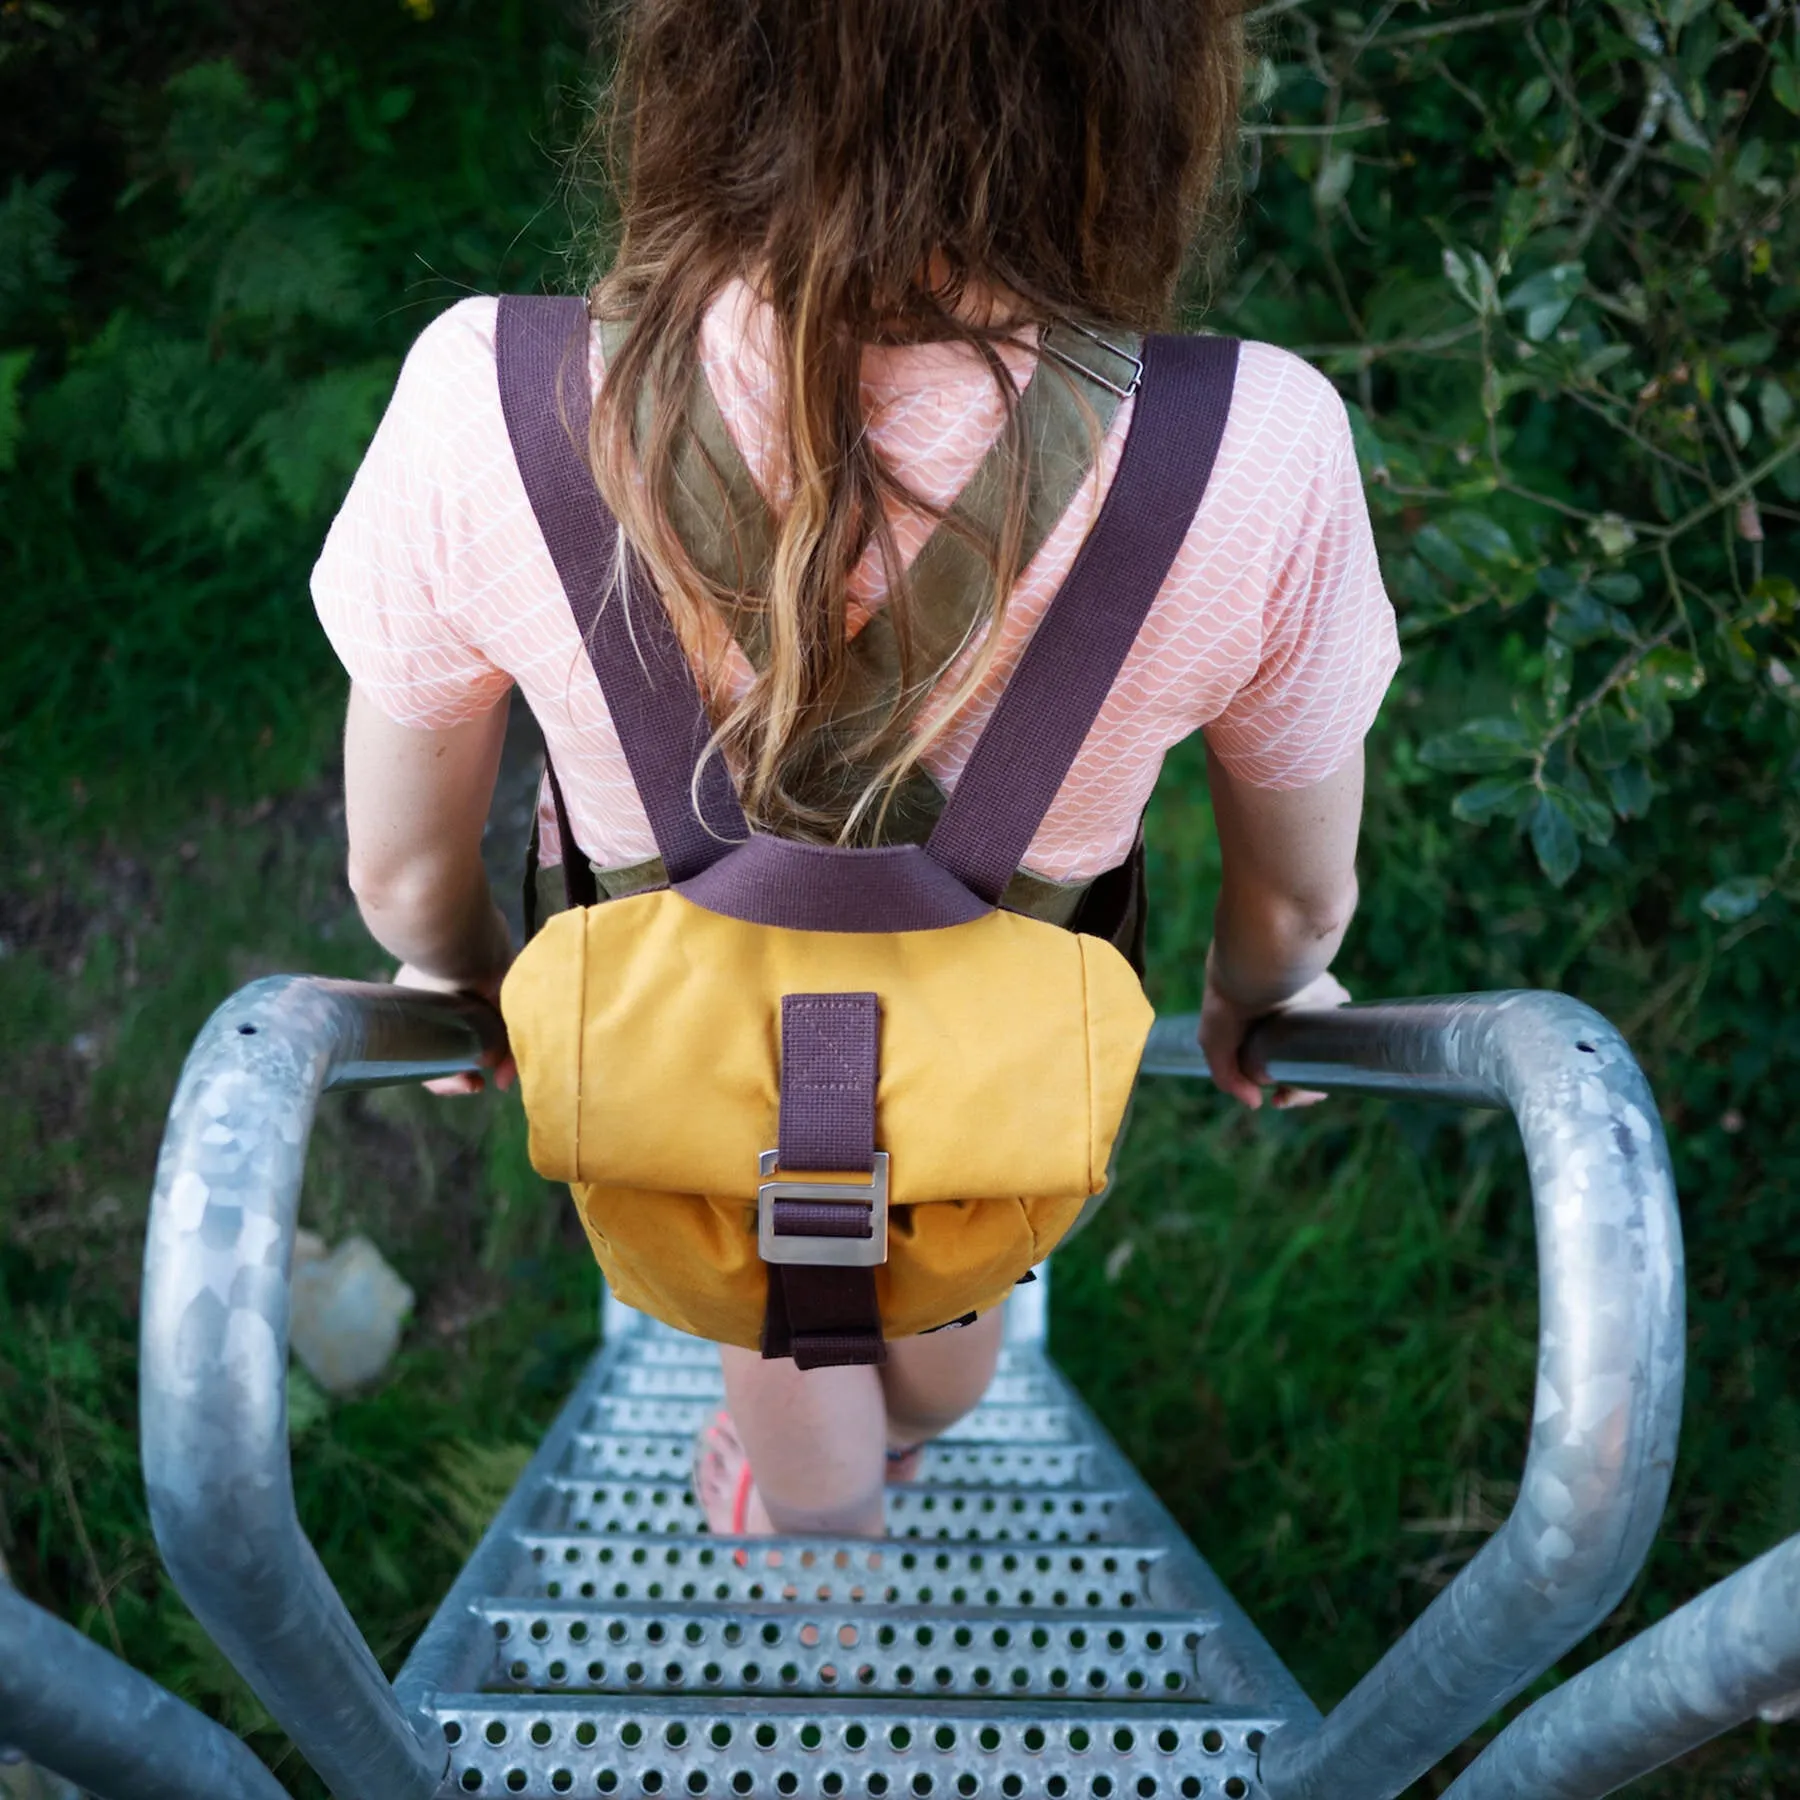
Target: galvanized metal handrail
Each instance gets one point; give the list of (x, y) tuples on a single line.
[(1609, 1371), (1603, 1443), (78, 1711), (213, 1357), (1729, 1654)]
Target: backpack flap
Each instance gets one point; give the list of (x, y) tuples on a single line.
[(648, 1034)]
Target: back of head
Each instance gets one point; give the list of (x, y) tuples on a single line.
[(881, 172)]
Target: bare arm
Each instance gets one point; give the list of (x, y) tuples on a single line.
[(1286, 900), (415, 803)]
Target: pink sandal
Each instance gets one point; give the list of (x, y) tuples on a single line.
[(746, 1481)]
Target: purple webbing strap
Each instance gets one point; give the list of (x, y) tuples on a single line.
[(542, 353), (830, 1045), (826, 1317), (1074, 657)]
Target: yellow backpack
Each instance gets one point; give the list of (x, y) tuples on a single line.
[(809, 1098)]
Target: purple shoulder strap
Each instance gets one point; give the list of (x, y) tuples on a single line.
[(542, 353), (1074, 657), (1049, 707)]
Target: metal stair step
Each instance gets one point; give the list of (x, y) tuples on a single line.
[(1032, 1624), (543, 1746), (915, 1511), (681, 1416), (861, 1572), (654, 1457), (566, 1647)]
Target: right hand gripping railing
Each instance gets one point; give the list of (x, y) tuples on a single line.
[(214, 1356), (1609, 1373)]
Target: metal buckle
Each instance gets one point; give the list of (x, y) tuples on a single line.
[(1070, 361), (830, 1252)]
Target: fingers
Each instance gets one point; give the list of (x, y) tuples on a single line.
[(455, 1084), (1221, 1052)]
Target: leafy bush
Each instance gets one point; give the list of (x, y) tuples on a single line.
[(1547, 249), (182, 407), (1549, 252)]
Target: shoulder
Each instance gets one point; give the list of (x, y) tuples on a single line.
[(448, 381), (1285, 414)]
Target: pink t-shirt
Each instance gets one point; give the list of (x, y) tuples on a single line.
[(1272, 632)]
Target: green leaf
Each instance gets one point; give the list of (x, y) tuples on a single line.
[(1591, 817), (1784, 84), (290, 263), (1738, 419), (1735, 899), (1499, 796), (1478, 745), (1618, 587), (311, 447), (13, 367), (1546, 296), (1584, 618), (1628, 788), (1735, 22), (1776, 407), (1612, 534), (1371, 452), (1534, 96), (307, 1403), (1559, 679), (1482, 537), (1676, 674), (30, 264), (1750, 351), (1553, 838), (1433, 547), (1332, 182), (1473, 278)]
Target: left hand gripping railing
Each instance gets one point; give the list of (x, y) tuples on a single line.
[(213, 1360), (1609, 1374)]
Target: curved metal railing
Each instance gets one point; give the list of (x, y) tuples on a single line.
[(1609, 1372), (214, 1350), (76, 1710), (1729, 1655), (1597, 1473)]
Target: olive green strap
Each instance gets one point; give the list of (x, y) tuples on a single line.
[(723, 521), (1064, 413), (724, 524), (714, 506)]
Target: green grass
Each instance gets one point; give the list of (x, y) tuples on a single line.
[(1314, 1333)]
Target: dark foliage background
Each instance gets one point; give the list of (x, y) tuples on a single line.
[(1548, 251)]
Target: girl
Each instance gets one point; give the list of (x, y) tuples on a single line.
[(851, 227)]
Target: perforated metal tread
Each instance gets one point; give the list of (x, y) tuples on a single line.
[(1033, 1624)]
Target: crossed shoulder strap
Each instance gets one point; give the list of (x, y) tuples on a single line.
[(1053, 698)]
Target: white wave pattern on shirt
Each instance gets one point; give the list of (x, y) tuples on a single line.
[(1272, 631)]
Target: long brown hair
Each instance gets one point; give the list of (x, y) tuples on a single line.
[(882, 172)]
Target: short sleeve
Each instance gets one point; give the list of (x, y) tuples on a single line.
[(1329, 644), (385, 585)]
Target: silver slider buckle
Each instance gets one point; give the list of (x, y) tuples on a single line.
[(830, 1252)]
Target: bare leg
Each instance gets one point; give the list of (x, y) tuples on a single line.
[(823, 1443), (815, 1440), (929, 1382)]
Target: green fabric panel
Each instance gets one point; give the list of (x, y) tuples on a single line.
[(714, 506), (1055, 902), (724, 523), (1064, 413)]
